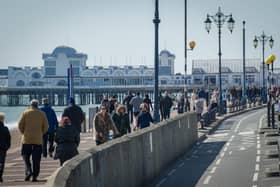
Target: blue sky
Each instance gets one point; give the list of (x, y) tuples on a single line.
[(119, 32)]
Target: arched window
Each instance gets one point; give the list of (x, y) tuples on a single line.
[(20, 83), (36, 75)]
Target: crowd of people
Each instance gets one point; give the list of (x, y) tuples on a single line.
[(43, 135)]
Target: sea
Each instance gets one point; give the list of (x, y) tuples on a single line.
[(13, 113)]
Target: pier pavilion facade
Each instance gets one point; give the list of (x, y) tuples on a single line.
[(20, 84)]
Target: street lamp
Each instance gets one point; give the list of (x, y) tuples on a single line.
[(219, 18), (191, 45), (263, 39), (156, 21), (244, 68)]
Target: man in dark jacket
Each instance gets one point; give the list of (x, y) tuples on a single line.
[(53, 125), (148, 101), (5, 143), (126, 102), (166, 104), (75, 114)]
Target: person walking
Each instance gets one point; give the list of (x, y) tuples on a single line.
[(181, 104), (105, 102), (199, 103), (53, 125), (129, 107), (5, 143), (67, 139), (103, 124), (113, 102), (136, 102), (144, 118), (75, 114), (166, 105), (121, 120), (33, 124), (148, 101)]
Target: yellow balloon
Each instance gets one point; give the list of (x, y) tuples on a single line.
[(270, 59), (192, 44)]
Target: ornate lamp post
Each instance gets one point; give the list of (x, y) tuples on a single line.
[(156, 21), (219, 18), (191, 45), (263, 38)]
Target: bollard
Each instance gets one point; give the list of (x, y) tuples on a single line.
[(268, 113), (273, 115), (278, 148)]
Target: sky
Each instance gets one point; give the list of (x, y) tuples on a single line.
[(121, 32)]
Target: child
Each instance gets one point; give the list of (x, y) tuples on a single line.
[(5, 143)]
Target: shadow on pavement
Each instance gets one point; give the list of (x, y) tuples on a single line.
[(196, 163)]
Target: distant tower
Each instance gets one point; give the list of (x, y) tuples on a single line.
[(56, 63), (166, 63)]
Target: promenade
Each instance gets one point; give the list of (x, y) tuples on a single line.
[(14, 168)]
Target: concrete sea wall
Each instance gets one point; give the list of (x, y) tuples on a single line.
[(132, 160)]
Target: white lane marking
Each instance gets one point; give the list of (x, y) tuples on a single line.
[(258, 146), (258, 137), (161, 182), (258, 152), (218, 162), (222, 154), (213, 170), (258, 142), (207, 180), (179, 124), (181, 165), (255, 186), (225, 149), (228, 144), (171, 172), (255, 177), (232, 136), (257, 168), (230, 153), (241, 120), (242, 149), (246, 133), (258, 159), (261, 120), (151, 142), (220, 135)]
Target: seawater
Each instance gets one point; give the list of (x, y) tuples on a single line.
[(13, 113)]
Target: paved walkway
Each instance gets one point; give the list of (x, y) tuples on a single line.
[(14, 168)]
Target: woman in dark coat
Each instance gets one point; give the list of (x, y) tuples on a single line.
[(5, 143), (121, 120), (67, 140)]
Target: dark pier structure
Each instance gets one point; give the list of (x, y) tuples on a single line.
[(83, 96)]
